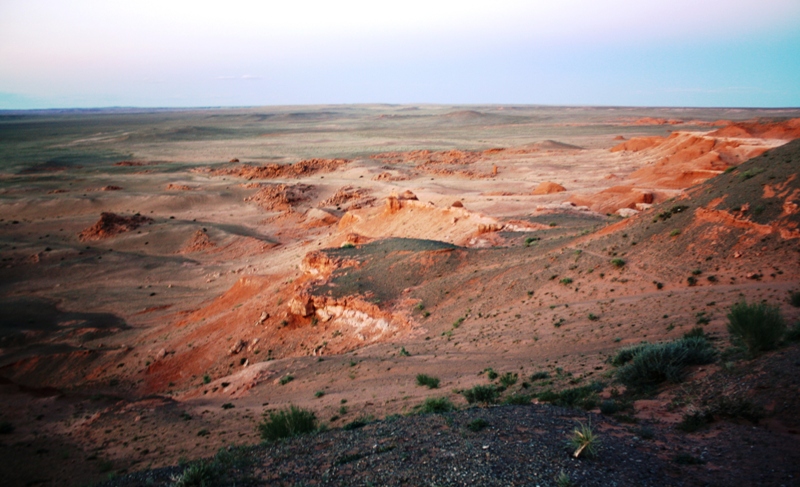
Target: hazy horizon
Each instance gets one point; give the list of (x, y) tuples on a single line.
[(180, 54)]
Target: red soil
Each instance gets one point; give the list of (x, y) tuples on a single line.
[(787, 130)]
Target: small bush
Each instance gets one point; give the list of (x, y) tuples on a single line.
[(228, 405), (794, 299), (584, 440), (319, 393), (736, 408), (427, 380), (198, 474), (491, 374), (477, 424), (793, 335), (436, 405), (566, 281), (540, 375), (359, 422), (759, 327), (687, 459), (609, 407), (593, 317), (584, 396), (481, 394), (286, 379), (617, 262), (518, 399), (287, 423), (694, 421), (674, 233), (653, 364), (563, 479), (508, 379), (625, 355)]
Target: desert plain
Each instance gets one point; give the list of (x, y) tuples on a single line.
[(167, 277)]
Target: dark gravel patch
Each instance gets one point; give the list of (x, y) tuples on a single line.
[(521, 446)]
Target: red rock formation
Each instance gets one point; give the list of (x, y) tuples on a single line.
[(548, 187), (111, 224)]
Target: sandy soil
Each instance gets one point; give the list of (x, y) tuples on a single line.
[(158, 266)]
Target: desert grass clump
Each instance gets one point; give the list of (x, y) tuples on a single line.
[(225, 468), (585, 441), (652, 364), (481, 394), (429, 381), (286, 423), (759, 327)]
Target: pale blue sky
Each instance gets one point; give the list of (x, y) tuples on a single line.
[(91, 53)]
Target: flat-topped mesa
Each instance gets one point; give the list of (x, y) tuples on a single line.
[(395, 202)]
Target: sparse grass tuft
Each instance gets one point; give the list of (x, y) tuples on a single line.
[(563, 480), (759, 327), (577, 397), (286, 423), (427, 380)]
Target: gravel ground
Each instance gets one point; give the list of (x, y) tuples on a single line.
[(521, 446)]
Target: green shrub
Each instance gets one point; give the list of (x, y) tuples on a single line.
[(566, 281), (286, 379), (687, 459), (793, 335), (491, 374), (652, 364), (794, 299), (508, 379), (518, 399), (540, 375), (626, 354), (481, 394), (617, 262), (759, 326), (736, 408), (694, 421), (359, 422), (584, 396), (609, 407), (427, 380), (477, 424), (286, 423), (547, 396), (436, 405)]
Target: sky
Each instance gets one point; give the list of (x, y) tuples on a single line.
[(163, 53)]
